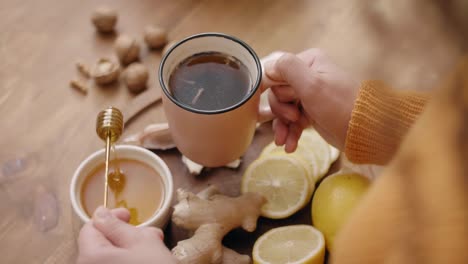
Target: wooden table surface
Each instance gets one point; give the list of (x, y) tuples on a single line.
[(47, 128)]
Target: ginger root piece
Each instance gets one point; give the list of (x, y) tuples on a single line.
[(230, 256), (154, 136), (203, 247), (193, 167), (233, 164), (204, 194), (212, 215)]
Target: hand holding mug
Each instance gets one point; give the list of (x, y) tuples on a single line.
[(308, 89)]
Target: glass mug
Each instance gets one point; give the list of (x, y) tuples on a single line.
[(213, 138)]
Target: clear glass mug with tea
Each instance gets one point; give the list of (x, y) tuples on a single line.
[(211, 92)]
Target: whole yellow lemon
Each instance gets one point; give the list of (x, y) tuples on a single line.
[(333, 202)]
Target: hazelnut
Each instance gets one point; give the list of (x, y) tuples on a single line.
[(136, 76), (105, 71), (155, 37), (127, 49), (104, 19)]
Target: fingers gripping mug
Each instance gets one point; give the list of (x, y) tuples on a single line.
[(210, 84)]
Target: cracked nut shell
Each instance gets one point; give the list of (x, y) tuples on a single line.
[(105, 71)]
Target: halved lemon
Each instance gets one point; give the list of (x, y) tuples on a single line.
[(295, 244), (282, 180)]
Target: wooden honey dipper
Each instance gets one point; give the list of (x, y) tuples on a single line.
[(109, 127)]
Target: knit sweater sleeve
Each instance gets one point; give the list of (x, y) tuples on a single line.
[(380, 119)]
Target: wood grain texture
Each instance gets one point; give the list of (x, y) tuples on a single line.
[(48, 128)]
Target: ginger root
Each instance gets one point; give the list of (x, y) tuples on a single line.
[(212, 215)]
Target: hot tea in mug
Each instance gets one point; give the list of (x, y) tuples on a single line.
[(210, 85), (210, 81)]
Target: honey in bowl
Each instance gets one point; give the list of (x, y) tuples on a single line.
[(140, 189)]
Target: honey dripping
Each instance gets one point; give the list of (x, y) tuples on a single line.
[(109, 127), (117, 182)]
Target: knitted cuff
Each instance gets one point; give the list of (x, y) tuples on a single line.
[(380, 119)]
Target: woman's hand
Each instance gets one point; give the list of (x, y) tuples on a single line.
[(108, 238), (308, 89)]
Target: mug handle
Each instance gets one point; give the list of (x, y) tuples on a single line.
[(264, 110)]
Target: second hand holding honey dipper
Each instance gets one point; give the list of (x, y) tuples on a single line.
[(109, 127)]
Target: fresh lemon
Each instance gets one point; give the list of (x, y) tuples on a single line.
[(321, 149), (296, 244), (282, 180), (334, 200)]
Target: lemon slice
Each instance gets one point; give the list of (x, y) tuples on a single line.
[(334, 154), (305, 154), (305, 165), (296, 244), (282, 180), (308, 166), (314, 142)]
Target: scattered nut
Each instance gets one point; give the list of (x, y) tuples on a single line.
[(104, 19), (168, 46), (79, 86), (136, 77), (83, 69), (155, 37), (127, 49), (105, 71)]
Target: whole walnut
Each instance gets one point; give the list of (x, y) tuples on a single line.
[(136, 76), (104, 19), (127, 49), (155, 37)]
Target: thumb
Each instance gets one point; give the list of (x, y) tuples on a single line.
[(267, 82), (291, 70), (118, 232), (121, 213)]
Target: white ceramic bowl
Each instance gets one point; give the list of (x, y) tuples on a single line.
[(161, 216)]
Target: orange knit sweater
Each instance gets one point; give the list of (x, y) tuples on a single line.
[(380, 118), (417, 210)]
